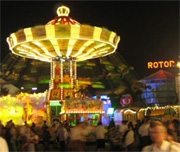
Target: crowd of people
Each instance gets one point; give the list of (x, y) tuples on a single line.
[(146, 136)]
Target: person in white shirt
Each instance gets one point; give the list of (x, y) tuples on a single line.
[(123, 128), (32, 139), (129, 138), (144, 128), (100, 136), (3, 145), (62, 135), (78, 137), (158, 134), (144, 134), (24, 131), (170, 138)]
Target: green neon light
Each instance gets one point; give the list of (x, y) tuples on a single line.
[(55, 104)]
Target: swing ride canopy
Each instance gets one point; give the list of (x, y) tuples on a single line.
[(63, 37)]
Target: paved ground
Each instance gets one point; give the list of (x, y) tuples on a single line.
[(89, 147)]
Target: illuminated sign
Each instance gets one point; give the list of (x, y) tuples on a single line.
[(161, 64), (55, 104), (110, 111)]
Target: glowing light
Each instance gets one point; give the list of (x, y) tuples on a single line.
[(161, 64), (56, 46), (128, 110), (53, 35), (43, 48), (55, 104), (12, 107), (97, 33), (110, 111), (63, 11), (83, 47), (26, 46), (178, 64), (59, 34), (50, 31), (75, 31), (111, 38), (28, 34), (99, 45), (88, 52), (22, 50), (27, 53), (69, 50), (34, 89)]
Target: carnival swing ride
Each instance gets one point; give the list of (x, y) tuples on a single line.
[(63, 42)]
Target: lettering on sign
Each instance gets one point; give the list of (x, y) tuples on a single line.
[(161, 64)]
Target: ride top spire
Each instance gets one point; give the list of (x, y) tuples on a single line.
[(63, 11)]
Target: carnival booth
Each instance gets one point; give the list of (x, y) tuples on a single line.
[(165, 113), (80, 110), (23, 107), (141, 113), (129, 114), (159, 113)]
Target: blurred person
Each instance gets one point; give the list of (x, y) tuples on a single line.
[(100, 136), (32, 139), (46, 139), (2, 130), (111, 124), (138, 124), (1, 126), (144, 134), (83, 135), (68, 134), (44, 126), (62, 136), (33, 127), (112, 135), (158, 134), (8, 135), (123, 127), (53, 132), (136, 132), (170, 138), (74, 136), (13, 140), (128, 139), (78, 137), (3, 145), (24, 130), (173, 127), (176, 129)]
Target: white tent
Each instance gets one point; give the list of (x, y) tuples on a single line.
[(11, 88)]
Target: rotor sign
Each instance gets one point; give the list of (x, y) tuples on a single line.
[(161, 64)]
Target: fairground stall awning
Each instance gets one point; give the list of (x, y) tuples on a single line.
[(158, 112), (88, 105)]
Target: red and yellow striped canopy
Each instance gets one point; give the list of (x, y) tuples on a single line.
[(63, 36)]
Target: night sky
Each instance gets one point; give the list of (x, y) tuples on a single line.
[(149, 31)]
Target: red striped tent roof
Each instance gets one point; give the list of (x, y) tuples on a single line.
[(160, 75)]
